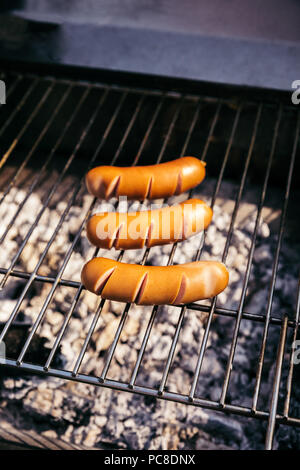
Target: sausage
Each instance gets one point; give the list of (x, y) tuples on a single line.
[(146, 182), (149, 228), (154, 285)]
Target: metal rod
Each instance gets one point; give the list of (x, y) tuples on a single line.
[(170, 129), (12, 146), (170, 260), (172, 349), (171, 352), (211, 131), (191, 129), (276, 386), (146, 254), (63, 328), (149, 129), (192, 306), (62, 218), (248, 269), (24, 163), (71, 248), (19, 107), (124, 387), (291, 362), (55, 186), (79, 285), (52, 290), (99, 310), (275, 266), (155, 308), (143, 347), (199, 252), (144, 259), (33, 148), (249, 263), (102, 303)]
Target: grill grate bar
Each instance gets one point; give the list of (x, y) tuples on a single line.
[(225, 160), (128, 129), (170, 260), (24, 163), (32, 277), (171, 352), (80, 286), (155, 308), (102, 303), (18, 108), (52, 192), (144, 259), (237, 325), (291, 362), (242, 184), (211, 130), (65, 324), (30, 153), (275, 265), (191, 129), (225, 252), (143, 347), (199, 252), (148, 132), (113, 346), (183, 309), (177, 397), (192, 306), (88, 338), (222, 170), (245, 284), (250, 259), (275, 392), (76, 238), (12, 146), (170, 130), (54, 286)]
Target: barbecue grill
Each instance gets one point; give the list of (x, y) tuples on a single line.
[(72, 123)]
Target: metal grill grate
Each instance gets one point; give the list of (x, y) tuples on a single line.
[(68, 127)]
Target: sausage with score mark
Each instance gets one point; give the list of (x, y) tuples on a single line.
[(154, 285), (146, 182), (133, 230)]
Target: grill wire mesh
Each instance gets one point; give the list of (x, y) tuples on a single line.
[(71, 126)]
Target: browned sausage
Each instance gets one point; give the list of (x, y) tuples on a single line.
[(154, 285), (134, 230), (146, 182)]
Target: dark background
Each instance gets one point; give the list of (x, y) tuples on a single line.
[(254, 43)]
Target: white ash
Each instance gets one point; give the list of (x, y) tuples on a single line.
[(90, 415)]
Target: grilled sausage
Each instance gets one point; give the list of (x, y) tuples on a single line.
[(134, 230), (154, 285), (146, 182)]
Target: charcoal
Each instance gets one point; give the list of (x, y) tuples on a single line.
[(89, 415)]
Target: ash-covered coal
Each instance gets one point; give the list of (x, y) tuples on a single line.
[(90, 415)]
